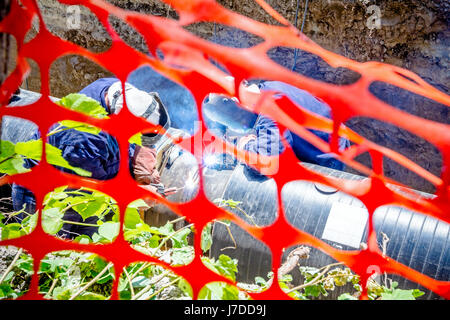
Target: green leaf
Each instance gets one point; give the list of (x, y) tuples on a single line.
[(179, 240), (13, 165), (125, 295), (25, 264), (10, 161), (230, 292), (79, 126), (59, 195), (346, 296), (83, 239), (99, 263), (260, 281), (165, 230), (206, 240), (308, 272), (285, 278), (136, 139), (139, 203), (91, 205), (218, 291), (62, 293), (55, 264), (109, 230), (212, 291), (140, 282), (84, 104), (19, 165), (182, 256), (29, 223), (398, 294), (54, 157), (417, 293), (136, 234), (153, 242), (224, 266), (30, 149), (132, 218), (12, 231), (7, 149), (90, 296), (185, 287), (123, 283), (52, 220), (5, 290), (313, 291), (96, 238), (9, 276)]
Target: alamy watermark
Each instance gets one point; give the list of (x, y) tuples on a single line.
[(374, 20), (73, 17)]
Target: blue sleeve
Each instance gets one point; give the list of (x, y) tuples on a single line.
[(268, 140), (96, 90), (304, 150), (96, 153), (131, 150)]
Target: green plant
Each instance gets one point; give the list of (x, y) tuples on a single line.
[(224, 265), (15, 279), (221, 291), (86, 202), (228, 268), (394, 293), (322, 281), (166, 243), (15, 229), (72, 275), (146, 281), (233, 204)]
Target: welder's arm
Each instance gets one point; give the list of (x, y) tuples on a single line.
[(145, 173), (144, 166)]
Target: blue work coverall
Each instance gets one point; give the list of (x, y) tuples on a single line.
[(268, 141), (96, 153)]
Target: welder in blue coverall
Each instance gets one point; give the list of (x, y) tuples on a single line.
[(99, 153), (266, 138)]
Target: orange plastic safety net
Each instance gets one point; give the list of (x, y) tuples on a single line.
[(194, 71)]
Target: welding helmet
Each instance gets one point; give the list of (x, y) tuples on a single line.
[(147, 105)]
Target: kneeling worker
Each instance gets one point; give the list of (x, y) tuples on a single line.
[(99, 153)]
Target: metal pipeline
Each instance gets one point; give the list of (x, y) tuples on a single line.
[(416, 240)]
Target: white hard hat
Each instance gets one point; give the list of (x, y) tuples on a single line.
[(140, 103)]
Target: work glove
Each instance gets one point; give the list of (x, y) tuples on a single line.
[(160, 189)]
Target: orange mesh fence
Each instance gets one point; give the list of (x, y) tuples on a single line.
[(196, 73)]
